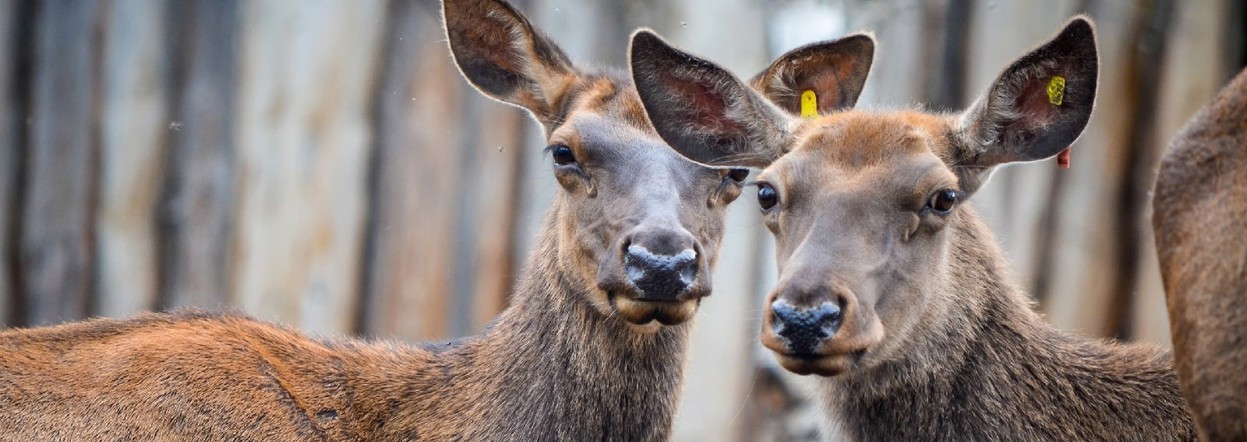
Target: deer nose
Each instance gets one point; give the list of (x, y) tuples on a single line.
[(662, 265), (804, 327)]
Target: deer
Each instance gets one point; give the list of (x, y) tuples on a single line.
[(1199, 205), (891, 290), (591, 346)]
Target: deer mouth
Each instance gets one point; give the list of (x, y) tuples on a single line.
[(642, 311), (821, 365), (644, 286), (830, 358)]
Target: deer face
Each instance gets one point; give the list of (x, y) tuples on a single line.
[(859, 208), (866, 207), (638, 225)]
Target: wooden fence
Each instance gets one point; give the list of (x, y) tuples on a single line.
[(322, 163)]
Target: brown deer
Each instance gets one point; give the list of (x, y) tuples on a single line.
[(591, 346), (890, 287), (1200, 220)]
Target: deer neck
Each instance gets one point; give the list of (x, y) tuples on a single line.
[(553, 366), (552, 302), (988, 364)]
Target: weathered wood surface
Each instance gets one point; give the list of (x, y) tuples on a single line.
[(418, 149), (10, 123), (494, 163), (134, 126), (197, 206), (55, 244), (306, 76), (1196, 66)]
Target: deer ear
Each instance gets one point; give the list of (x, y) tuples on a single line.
[(701, 110), (1037, 107), (504, 57), (834, 70)]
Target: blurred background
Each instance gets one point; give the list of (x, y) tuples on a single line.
[(322, 164)]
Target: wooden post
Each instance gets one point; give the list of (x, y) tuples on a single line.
[(496, 173), (1199, 61), (56, 244), (10, 145), (410, 248), (134, 124), (306, 80), (1140, 151), (196, 207)]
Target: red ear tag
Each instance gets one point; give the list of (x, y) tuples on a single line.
[(1062, 159)]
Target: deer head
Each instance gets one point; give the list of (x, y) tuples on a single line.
[(864, 205), (639, 227)]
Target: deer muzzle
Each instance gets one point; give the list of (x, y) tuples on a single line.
[(819, 329), (658, 275)]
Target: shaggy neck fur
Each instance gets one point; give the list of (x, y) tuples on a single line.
[(550, 368), (984, 366)]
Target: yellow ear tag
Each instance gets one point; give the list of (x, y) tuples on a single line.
[(809, 104), (1056, 90)]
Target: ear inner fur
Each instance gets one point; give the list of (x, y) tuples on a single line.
[(835, 71), (1017, 121), (534, 74), (703, 111)]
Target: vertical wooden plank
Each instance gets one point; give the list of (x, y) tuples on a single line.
[(9, 145), (946, 31), (1140, 149), (198, 194), (896, 78), (56, 244), (411, 231), (306, 78), (134, 123), (497, 172), (1195, 67)]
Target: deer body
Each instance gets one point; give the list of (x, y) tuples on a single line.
[(1200, 222), (890, 288), (538, 373)]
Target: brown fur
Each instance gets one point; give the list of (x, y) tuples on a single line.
[(1200, 221), (929, 340), (580, 353), (550, 368)]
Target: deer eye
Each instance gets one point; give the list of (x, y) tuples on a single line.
[(562, 155), (943, 201), (738, 175), (767, 196)]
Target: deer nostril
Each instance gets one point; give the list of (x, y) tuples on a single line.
[(658, 276), (804, 327)]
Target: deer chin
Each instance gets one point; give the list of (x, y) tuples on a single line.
[(642, 312), (833, 357), (636, 307), (826, 366)]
